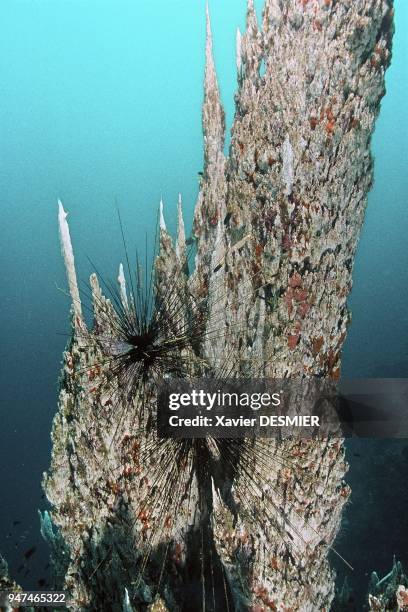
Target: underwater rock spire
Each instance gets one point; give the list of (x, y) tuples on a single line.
[(181, 234), (239, 51), (276, 227), (68, 254), (251, 46), (297, 181), (126, 602), (210, 206), (213, 112), (162, 223), (171, 260), (166, 259), (166, 248), (122, 287)]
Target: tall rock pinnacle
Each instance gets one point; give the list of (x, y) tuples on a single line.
[(276, 228), (68, 254), (213, 112)]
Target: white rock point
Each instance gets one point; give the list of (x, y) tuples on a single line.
[(68, 254), (239, 50), (181, 234), (162, 223), (122, 287)]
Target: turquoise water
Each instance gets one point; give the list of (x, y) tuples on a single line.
[(101, 101)]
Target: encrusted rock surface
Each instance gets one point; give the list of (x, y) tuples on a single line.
[(297, 178), (389, 593), (7, 584), (276, 228)]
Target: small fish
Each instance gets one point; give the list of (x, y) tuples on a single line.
[(26, 573), (356, 455), (41, 582), (47, 566), (16, 523), (29, 553), (20, 568)]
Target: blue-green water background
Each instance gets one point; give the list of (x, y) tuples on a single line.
[(101, 100)]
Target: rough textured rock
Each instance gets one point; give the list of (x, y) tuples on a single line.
[(276, 228), (389, 593), (7, 584)]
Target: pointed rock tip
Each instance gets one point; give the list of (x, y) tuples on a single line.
[(161, 216), (180, 219), (121, 273), (61, 210), (239, 49), (252, 18), (181, 234), (211, 82), (207, 15), (208, 28)]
